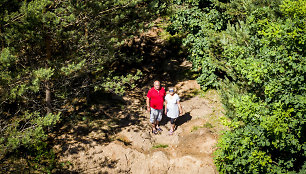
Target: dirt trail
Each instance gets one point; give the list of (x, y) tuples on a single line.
[(136, 150)]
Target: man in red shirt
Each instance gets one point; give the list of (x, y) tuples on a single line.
[(155, 105)]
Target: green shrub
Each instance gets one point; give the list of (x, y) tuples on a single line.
[(254, 52), (28, 131)]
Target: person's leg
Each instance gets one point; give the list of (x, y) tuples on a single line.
[(172, 127), (172, 124), (154, 127), (158, 119), (157, 124), (153, 119)]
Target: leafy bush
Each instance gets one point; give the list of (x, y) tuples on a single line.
[(254, 52), (26, 131), (54, 53)]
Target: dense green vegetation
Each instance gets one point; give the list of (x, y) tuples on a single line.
[(55, 54), (254, 52)]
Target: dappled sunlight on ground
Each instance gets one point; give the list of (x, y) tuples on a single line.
[(117, 138)]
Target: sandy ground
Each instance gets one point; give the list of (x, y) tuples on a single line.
[(134, 149)]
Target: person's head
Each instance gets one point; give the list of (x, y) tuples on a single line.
[(157, 85), (171, 90)]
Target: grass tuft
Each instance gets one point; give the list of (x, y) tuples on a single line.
[(206, 125), (160, 146)]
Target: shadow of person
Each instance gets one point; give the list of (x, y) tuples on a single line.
[(179, 121), (183, 119), (164, 120)]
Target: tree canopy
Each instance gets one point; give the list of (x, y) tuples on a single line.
[(254, 51), (57, 53), (54, 53)]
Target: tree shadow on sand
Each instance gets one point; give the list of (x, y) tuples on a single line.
[(109, 113)]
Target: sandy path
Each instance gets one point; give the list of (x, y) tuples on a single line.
[(136, 150)]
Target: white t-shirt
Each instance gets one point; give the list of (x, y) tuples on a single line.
[(172, 106)]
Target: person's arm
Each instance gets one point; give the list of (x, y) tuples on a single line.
[(165, 107), (180, 107), (148, 104)]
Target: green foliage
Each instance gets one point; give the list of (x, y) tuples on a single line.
[(206, 125), (160, 146), (201, 40), (295, 9), (6, 62), (63, 51), (118, 84), (72, 68), (254, 52), (27, 131), (6, 58)]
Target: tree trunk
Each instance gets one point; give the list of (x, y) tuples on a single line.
[(47, 83), (48, 98), (88, 79), (1, 41)]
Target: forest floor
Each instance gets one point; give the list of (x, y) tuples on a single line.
[(117, 138), (87, 148)]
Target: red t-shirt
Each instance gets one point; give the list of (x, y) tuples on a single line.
[(156, 98)]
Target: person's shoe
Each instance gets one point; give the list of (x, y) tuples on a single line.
[(155, 132), (159, 129), (171, 132)]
